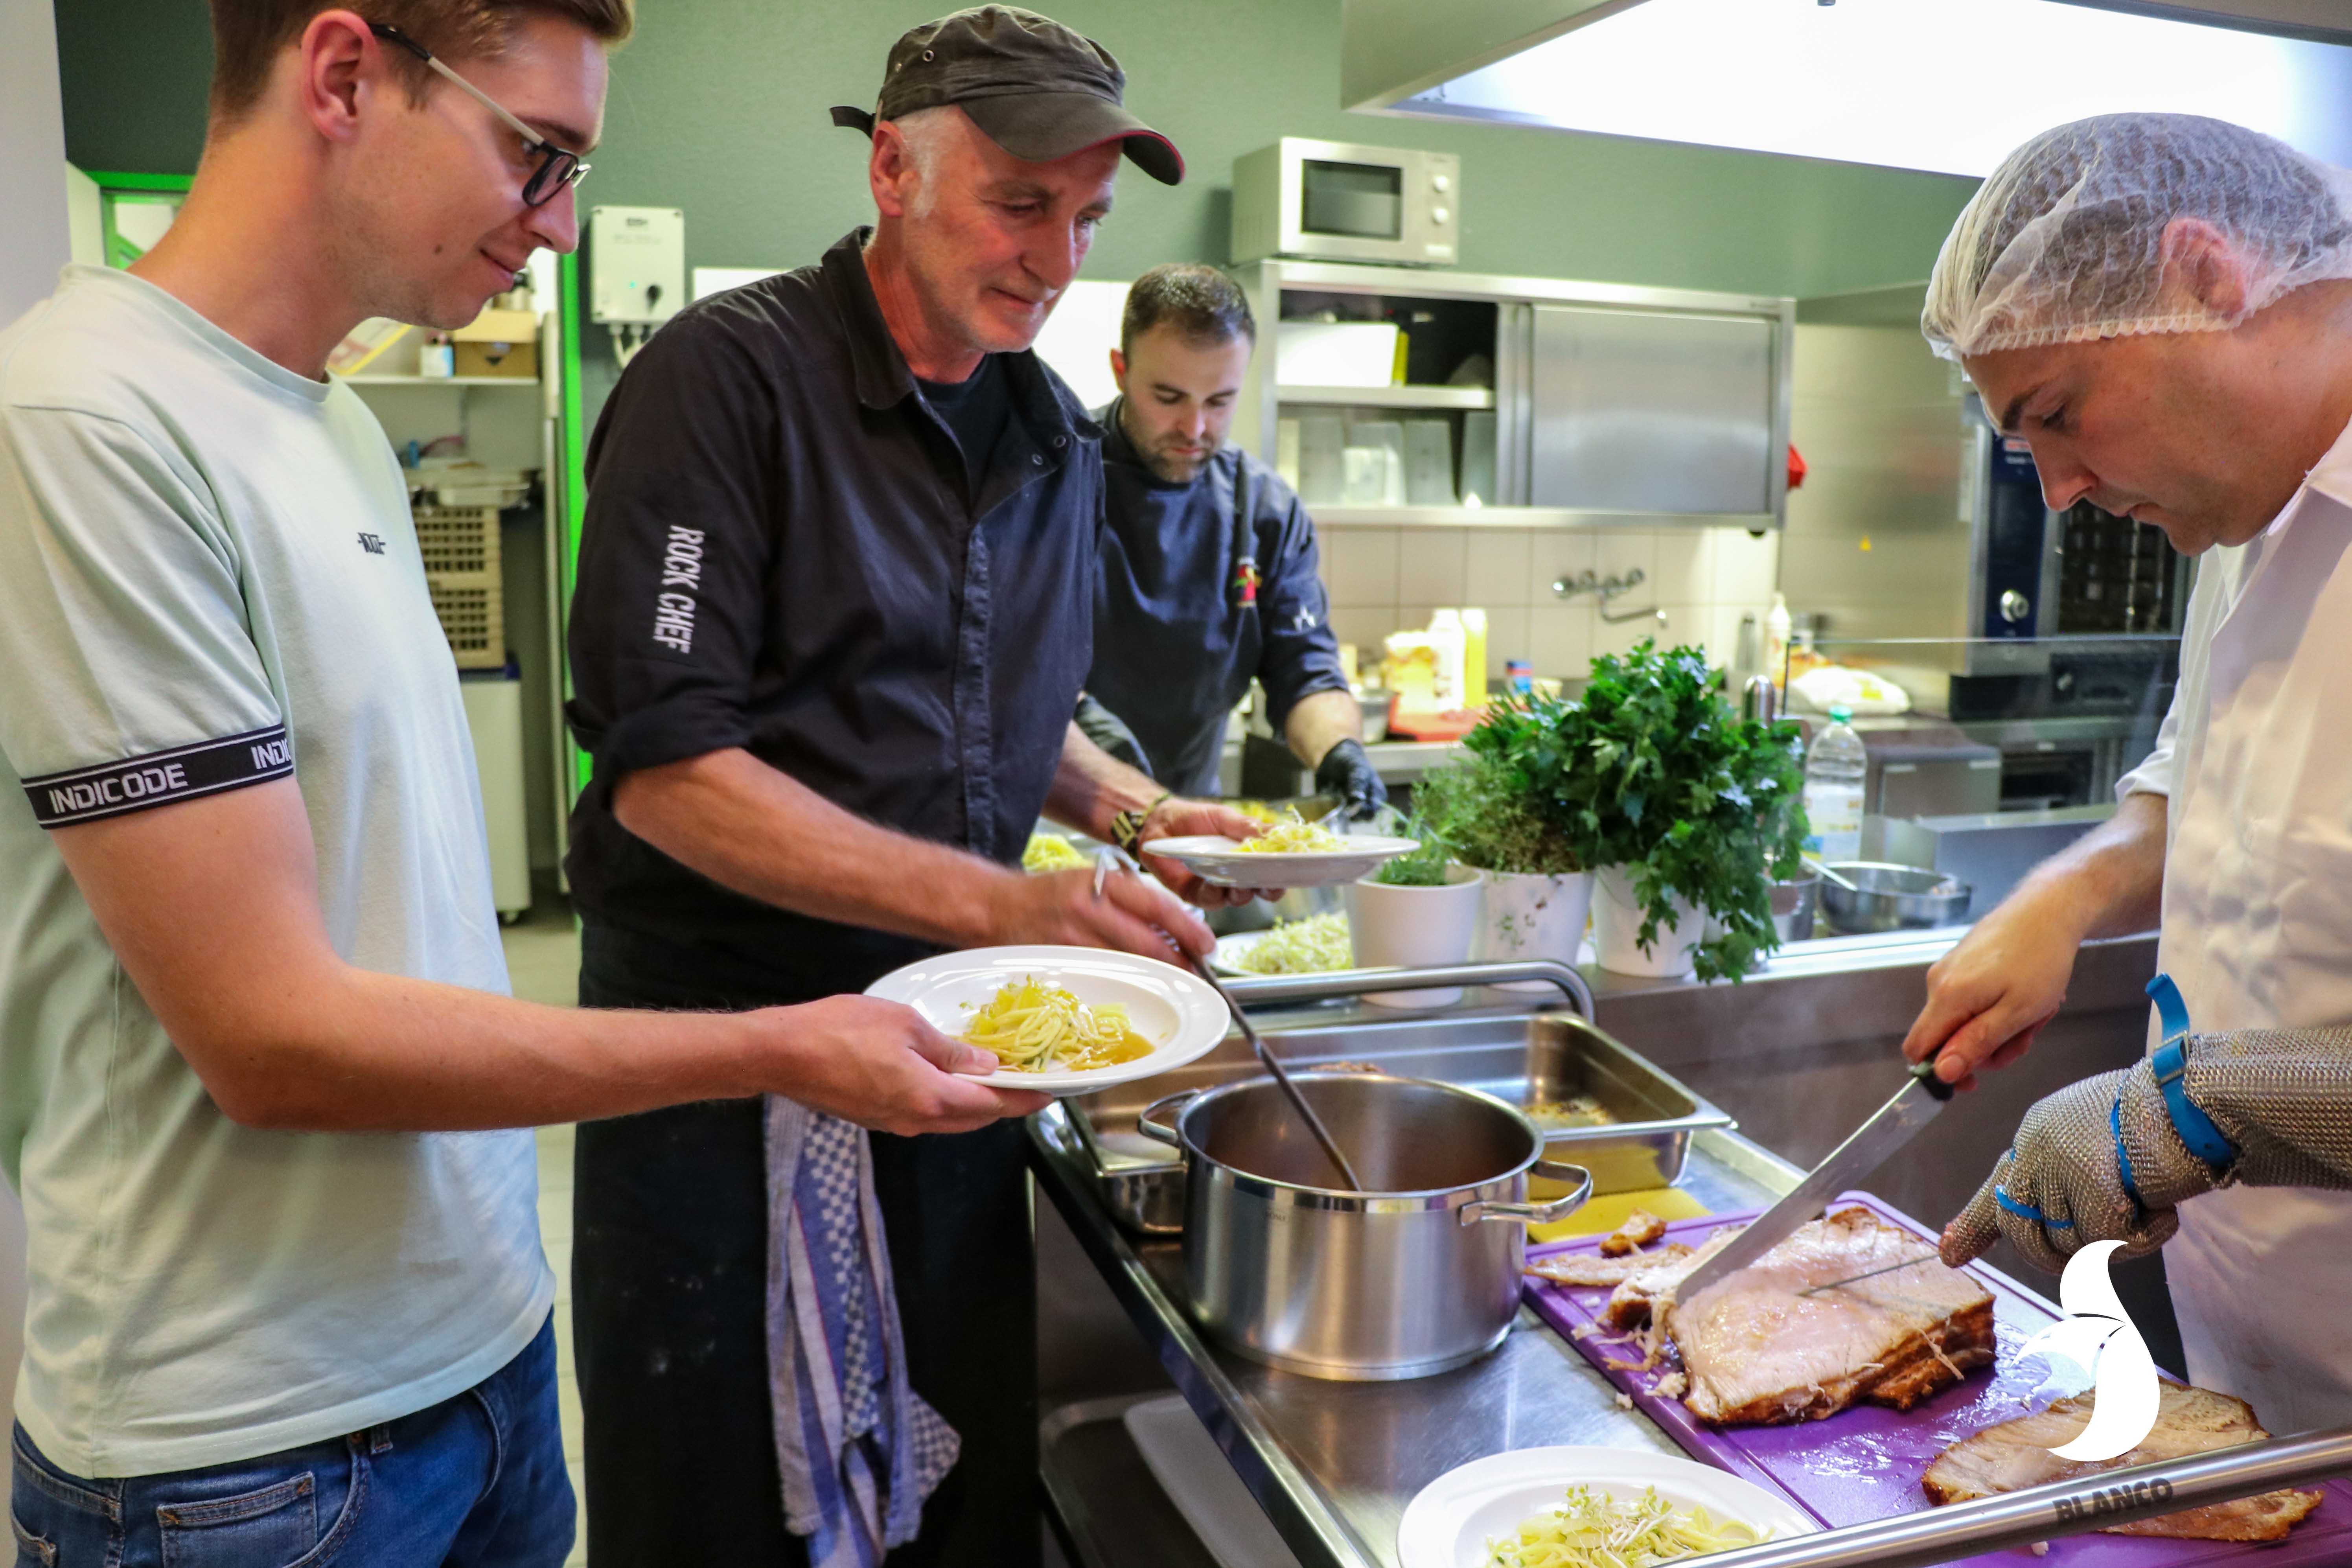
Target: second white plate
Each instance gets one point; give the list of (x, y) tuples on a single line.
[(1232, 957), (1224, 862), (1449, 1525), (1174, 1009)]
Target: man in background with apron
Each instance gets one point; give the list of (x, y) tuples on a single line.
[(1209, 576), (2161, 306)]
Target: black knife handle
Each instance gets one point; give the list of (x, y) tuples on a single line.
[(1926, 1073)]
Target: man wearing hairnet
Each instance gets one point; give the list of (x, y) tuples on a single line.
[(2161, 307)]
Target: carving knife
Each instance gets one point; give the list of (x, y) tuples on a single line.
[(1890, 1127)]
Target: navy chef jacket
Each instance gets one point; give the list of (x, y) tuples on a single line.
[(1204, 585), (780, 554)]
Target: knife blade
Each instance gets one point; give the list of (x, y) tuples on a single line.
[(1866, 1274), (1889, 1128)]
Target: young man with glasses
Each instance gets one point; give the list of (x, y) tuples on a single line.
[(259, 1080)]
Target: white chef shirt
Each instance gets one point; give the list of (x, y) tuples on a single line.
[(2256, 759), (209, 580)]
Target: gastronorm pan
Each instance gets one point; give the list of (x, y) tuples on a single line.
[(1521, 1057)]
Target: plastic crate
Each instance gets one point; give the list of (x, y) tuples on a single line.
[(460, 549)]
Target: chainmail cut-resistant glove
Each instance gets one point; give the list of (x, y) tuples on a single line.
[(2110, 1158), (1347, 772)]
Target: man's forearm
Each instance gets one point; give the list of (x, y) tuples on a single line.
[(374, 1052), (2109, 882), (761, 833), (285, 1033), (1320, 720), (1091, 787)]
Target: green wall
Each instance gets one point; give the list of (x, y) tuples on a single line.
[(719, 106)]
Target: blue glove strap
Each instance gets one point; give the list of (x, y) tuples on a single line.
[(2123, 1155), (2027, 1211), (2197, 1130)]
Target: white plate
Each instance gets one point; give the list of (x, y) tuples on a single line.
[(1172, 1008), (1223, 861), (1231, 950), (1450, 1523)]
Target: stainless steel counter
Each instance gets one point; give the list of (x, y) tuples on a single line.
[(1798, 1053), (1334, 1464)]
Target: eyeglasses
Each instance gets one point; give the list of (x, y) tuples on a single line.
[(555, 169)]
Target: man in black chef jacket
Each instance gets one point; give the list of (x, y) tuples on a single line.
[(1209, 575), (831, 620)]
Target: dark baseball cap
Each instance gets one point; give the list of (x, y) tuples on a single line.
[(1036, 88)]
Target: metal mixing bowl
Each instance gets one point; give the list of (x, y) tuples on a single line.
[(1892, 898)]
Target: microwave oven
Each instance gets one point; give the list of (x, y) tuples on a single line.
[(1338, 201)]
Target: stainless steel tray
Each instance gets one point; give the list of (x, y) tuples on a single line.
[(1655, 1116), (1509, 1049)]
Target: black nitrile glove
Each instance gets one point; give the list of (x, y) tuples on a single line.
[(1347, 772)]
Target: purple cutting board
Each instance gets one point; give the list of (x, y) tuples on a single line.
[(1864, 1463)]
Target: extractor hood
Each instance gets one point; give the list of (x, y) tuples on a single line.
[(1942, 85)]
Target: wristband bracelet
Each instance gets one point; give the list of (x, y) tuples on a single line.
[(1127, 827)]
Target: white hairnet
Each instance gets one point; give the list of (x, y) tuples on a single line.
[(2065, 241)]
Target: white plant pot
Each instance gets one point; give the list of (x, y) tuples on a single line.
[(1531, 917), (1617, 917), (1413, 927)]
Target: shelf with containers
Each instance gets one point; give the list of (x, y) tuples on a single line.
[(489, 527), (1393, 396)]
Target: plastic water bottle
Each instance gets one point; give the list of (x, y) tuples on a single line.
[(1835, 768)]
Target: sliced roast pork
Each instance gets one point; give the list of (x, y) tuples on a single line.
[(1759, 1352), (1641, 1228), (2016, 1454), (1591, 1269), (1641, 1279)]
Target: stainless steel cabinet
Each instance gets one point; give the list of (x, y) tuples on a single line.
[(1591, 406), (1651, 411)]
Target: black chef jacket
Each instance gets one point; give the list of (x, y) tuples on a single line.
[(1204, 586), (780, 554)]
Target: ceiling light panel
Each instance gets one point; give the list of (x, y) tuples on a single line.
[(1943, 85)]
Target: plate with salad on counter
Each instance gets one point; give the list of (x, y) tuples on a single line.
[(1064, 1020), (1588, 1507), (1319, 944), (1292, 852)]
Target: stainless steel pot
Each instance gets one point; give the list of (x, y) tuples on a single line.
[(1891, 898), (1416, 1276)]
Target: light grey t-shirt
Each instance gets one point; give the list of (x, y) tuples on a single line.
[(208, 579)]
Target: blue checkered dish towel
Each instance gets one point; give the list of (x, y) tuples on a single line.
[(857, 1450)]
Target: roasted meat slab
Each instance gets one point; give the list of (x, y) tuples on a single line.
[(1758, 1352), (2016, 1454)]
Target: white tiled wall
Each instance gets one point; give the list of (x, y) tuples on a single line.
[(1386, 579)]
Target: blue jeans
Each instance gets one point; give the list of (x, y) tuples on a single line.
[(476, 1481)]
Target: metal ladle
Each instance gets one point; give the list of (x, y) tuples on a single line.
[(1835, 876), (1108, 858), (1290, 1090)]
